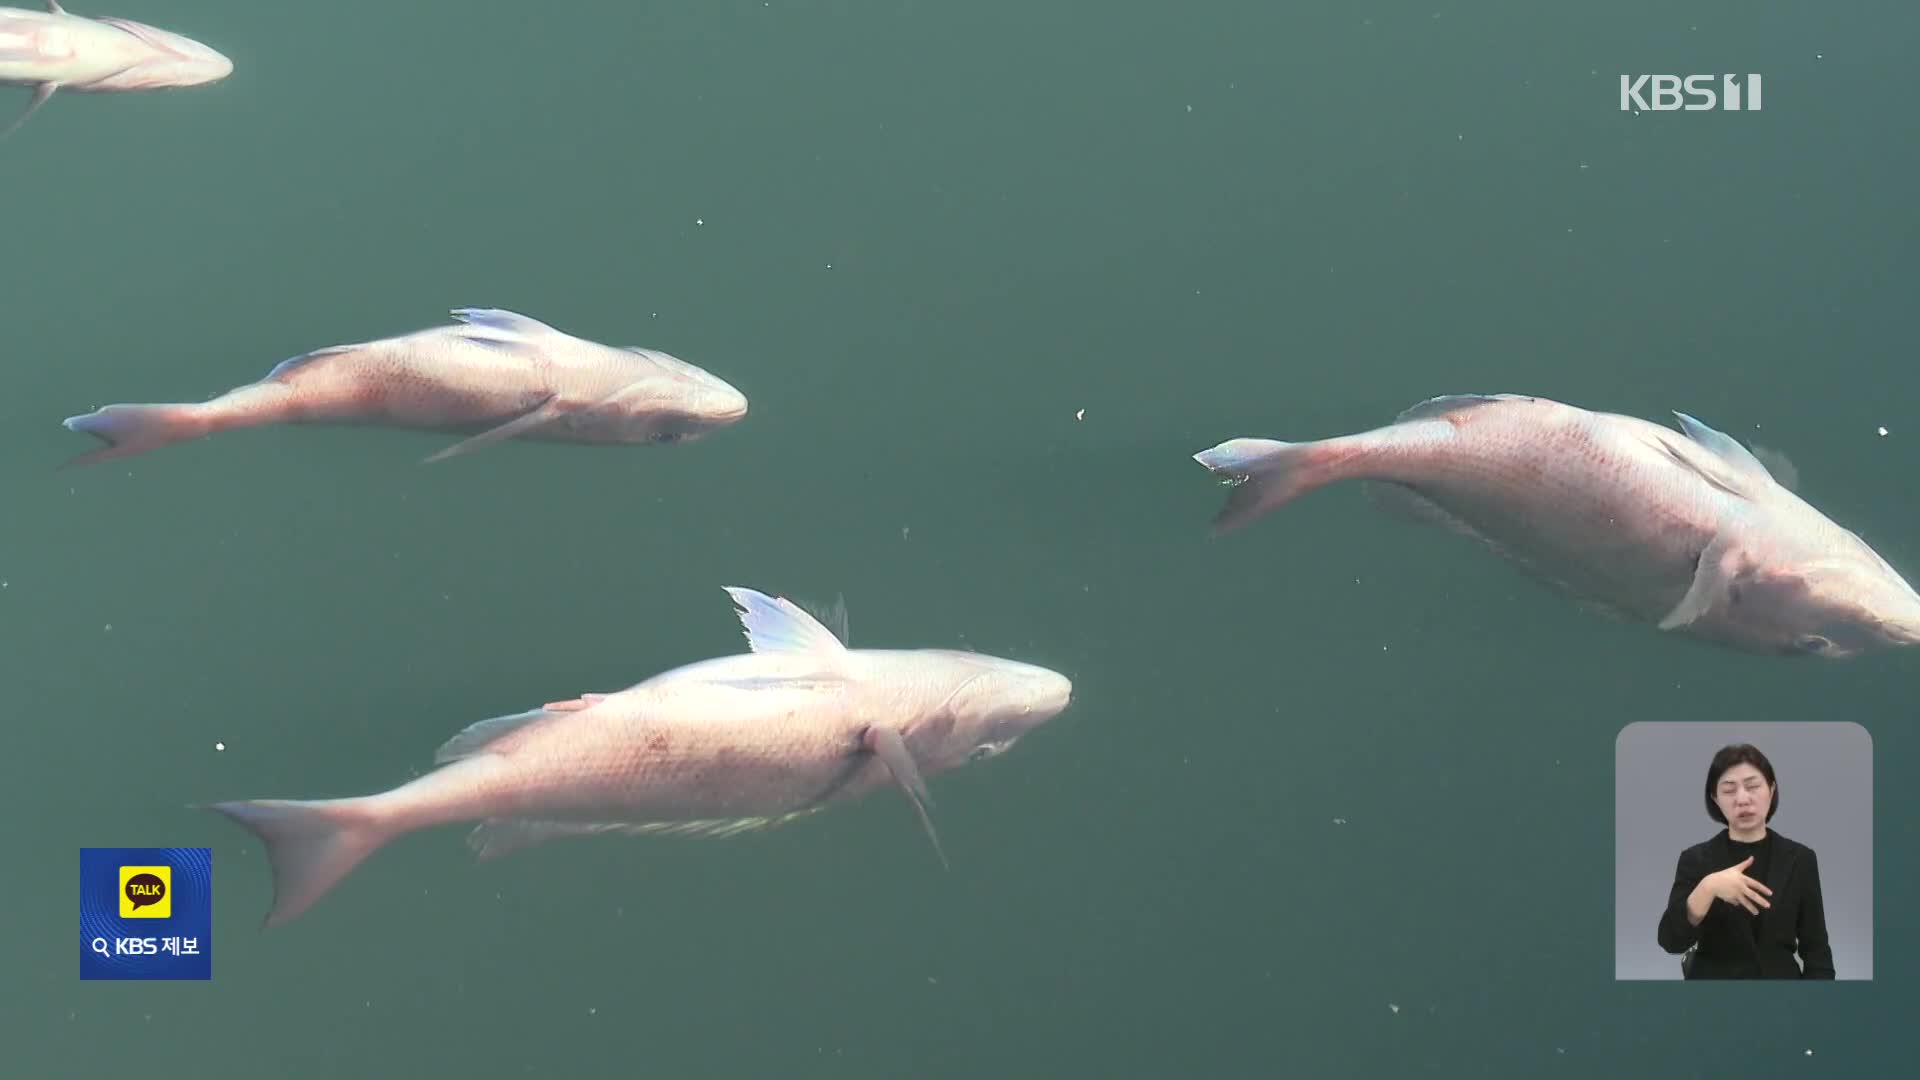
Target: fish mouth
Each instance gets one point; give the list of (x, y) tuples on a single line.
[(1901, 632), (196, 63)]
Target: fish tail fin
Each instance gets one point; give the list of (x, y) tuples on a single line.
[(135, 429), (311, 845), (1266, 474)]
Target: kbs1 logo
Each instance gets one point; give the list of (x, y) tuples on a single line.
[(146, 913), (1692, 93)]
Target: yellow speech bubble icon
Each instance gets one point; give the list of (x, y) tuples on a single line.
[(146, 892)]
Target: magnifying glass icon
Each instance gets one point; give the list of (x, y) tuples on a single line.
[(100, 946)]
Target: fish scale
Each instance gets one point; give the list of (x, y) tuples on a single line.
[(53, 50), (1686, 530), (496, 376), (714, 748)]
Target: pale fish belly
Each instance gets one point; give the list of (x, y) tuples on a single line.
[(370, 388), (26, 56), (679, 773), (1584, 508)]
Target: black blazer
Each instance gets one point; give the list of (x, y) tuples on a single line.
[(1797, 921)]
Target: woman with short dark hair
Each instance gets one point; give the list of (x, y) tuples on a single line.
[(1746, 900)]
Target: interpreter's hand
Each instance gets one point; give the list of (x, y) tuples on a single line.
[(1735, 887)]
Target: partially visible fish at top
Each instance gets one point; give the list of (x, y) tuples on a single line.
[(52, 50), (492, 376), (716, 747), (1689, 530)]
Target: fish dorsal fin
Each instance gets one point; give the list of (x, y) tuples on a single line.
[(502, 321), (1725, 447), (832, 616), (295, 362), (476, 737), (775, 624), (54, 7), (1708, 465), (1453, 403), (1780, 466)]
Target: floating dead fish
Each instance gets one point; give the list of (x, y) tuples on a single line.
[(713, 748), (1684, 530), (494, 376), (52, 50)]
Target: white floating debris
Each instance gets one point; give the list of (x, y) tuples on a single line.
[(699, 221), (1883, 434), (1082, 415), (219, 746), (1339, 821), (1392, 1006)]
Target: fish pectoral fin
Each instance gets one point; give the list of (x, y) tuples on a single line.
[(886, 744), (1713, 573), (40, 95), (547, 410)]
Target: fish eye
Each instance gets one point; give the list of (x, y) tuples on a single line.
[(1812, 643), (665, 437), (984, 750)]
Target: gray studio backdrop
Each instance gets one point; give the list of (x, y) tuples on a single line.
[(1825, 773)]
